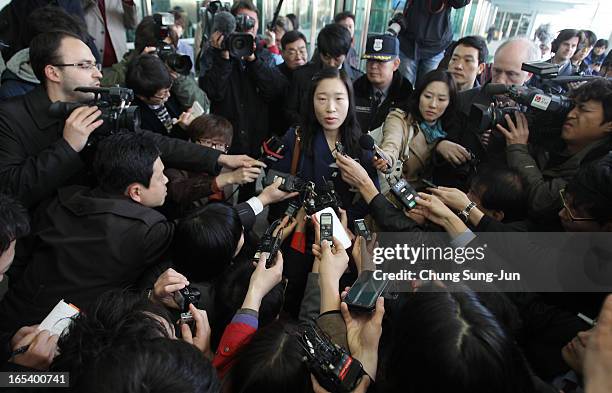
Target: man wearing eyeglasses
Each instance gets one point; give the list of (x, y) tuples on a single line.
[(295, 55), (39, 153), (587, 136)]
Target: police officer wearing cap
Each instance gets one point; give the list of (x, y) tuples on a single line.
[(382, 87)]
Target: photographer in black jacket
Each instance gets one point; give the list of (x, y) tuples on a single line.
[(40, 153), (241, 89)]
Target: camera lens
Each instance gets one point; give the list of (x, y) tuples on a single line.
[(239, 44)]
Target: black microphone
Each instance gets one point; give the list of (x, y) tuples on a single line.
[(224, 22), (367, 143)]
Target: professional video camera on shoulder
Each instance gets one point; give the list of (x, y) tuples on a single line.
[(545, 111), (235, 39), (179, 63), (113, 102)]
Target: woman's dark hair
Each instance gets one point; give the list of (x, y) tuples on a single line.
[(118, 317), (588, 38), (210, 126), (205, 242), (502, 189), (435, 76), (334, 40), (124, 158), (598, 89), (590, 189), (230, 291), (349, 130), (449, 342), (294, 21), (44, 50), (271, 362), (14, 221), (157, 366), (601, 43), (146, 75)]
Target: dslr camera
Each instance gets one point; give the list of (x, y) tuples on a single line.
[(184, 297), (396, 24), (113, 102), (179, 63)]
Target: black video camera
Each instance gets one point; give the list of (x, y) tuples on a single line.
[(333, 367), (545, 111), (113, 102), (167, 52), (269, 244)]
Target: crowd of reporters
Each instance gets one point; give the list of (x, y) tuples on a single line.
[(135, 220)]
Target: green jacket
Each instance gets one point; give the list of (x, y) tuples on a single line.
[(185, 88), (543, 180)]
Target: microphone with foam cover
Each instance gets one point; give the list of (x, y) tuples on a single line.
[(224, 22), (367, 143)]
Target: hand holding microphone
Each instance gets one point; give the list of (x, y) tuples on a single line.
[(381, 162)]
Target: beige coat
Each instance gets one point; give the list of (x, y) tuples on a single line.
[(406, 147), (119, 17)]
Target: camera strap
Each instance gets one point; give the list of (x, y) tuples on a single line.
[(297, 150)]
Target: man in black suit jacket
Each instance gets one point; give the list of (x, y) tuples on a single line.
[(87, 241)]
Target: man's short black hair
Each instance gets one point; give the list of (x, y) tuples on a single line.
[(146, 34), (44, 50), (124, 158), (502, 190), (340, 16), (146, 75), (599, 89), (590, 189), (205, 242), (244, 5), (53, 18), (14, 222), (334, 40), (292, 36), (476, 42)]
